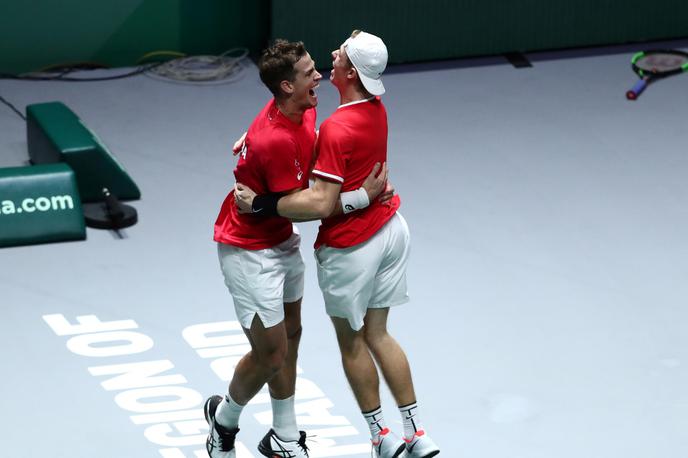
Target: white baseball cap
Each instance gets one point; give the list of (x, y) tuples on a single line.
[(369, 55)]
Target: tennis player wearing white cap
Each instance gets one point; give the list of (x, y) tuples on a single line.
[(362, 256)]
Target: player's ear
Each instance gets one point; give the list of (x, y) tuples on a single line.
[(352, 73), (287, 87)]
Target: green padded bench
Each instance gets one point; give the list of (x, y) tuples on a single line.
[(39, 204), (56, 134)]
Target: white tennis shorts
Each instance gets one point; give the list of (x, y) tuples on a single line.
[(261, 281), (369, 275)]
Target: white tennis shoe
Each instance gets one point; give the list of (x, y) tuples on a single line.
[(387, 445), (421, 446), (220, 441)]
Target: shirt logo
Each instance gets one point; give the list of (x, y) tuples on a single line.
[(243, 151), (299, 174)]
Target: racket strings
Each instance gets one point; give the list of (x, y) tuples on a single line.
[(661, 62)]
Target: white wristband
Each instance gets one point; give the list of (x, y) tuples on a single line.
[(354, 200)]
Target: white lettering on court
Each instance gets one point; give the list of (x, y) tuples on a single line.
[(157, 399), (169, 411)]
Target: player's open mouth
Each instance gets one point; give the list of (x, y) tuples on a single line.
[(311, 91)]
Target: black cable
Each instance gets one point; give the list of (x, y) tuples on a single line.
[(74, 66), (21, 115), (60, 77)]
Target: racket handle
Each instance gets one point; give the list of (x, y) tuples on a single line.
[(637, 89)]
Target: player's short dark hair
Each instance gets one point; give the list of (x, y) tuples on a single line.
[(276, 63)]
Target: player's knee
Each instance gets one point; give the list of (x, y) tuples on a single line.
[(276, 362), (353, 345), (294, 333), (375, 338), (272, 361)]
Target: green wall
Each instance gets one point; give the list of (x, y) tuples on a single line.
[(418, 30), (38, 33)]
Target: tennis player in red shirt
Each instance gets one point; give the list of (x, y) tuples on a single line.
[(260, 257), (361, 255)]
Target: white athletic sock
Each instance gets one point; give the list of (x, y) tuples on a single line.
[(376, 422), (409, 416), (228, 412), (284, 419)]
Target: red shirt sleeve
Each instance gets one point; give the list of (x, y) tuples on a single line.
[(333, 152)]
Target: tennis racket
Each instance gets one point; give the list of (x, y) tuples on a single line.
[(655, 64)]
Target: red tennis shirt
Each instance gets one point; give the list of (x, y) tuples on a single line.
[(351, 141), (277, 158)]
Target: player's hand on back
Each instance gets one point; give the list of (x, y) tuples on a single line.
[(387, 194), (376, 181), (243, 195), (239, 144)]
